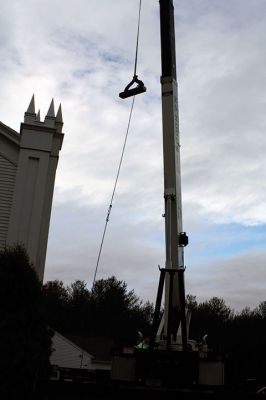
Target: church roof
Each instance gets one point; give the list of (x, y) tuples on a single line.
[(9, 133)]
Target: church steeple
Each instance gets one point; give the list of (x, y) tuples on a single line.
[(38, 148), (50, 121)]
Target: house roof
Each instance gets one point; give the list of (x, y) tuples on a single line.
[(72, 343), (9, 132), (100, 347)]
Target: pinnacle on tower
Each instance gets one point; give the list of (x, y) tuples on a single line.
[(50, 116), (38, 116), (31, 108), (30, 116), (59, 117), (59, 120), (51, 113)]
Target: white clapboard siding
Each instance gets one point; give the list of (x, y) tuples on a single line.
[(68, 355), (7, 182)]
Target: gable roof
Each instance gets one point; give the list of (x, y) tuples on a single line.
[(9, 133), (71, 343), (100, 347)]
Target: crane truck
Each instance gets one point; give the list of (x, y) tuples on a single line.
[(171, 359)]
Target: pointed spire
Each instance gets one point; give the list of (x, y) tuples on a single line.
[(59, 120), (29, 115), (38, 116), (51, 113), (49, 120), (31, 108), (59, 116)]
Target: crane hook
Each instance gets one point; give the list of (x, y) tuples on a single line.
[(140, 88)]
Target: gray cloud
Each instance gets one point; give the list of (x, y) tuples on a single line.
[(82, 54), (238, 279)]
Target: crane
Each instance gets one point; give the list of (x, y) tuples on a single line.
[(160, 363), (172, 276), (175, 239)]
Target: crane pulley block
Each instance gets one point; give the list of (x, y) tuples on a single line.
[(182, 239), (140, 88)]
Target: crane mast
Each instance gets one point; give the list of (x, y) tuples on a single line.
[(172, 328), (175, 238)]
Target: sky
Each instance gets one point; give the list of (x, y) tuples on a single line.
[(81, 53)]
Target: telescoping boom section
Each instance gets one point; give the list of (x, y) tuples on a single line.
[(172, 328)]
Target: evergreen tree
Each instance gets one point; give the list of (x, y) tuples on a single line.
[(56, 304), (117, 312), (25, 340), (109, 309)]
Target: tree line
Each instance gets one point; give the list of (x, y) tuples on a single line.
[(31, 311), (228, 330), (109, 309), (240, 337)]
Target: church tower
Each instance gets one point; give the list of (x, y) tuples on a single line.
[(28, 163)]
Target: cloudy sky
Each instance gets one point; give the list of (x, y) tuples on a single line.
[(81, 53)]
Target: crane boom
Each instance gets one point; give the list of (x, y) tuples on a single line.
[(175, 238)]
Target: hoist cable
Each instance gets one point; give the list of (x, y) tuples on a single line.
[(122, 155), (137, 44), (114, 189)]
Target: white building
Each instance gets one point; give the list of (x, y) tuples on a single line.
[(28, 162), (67, 354)]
